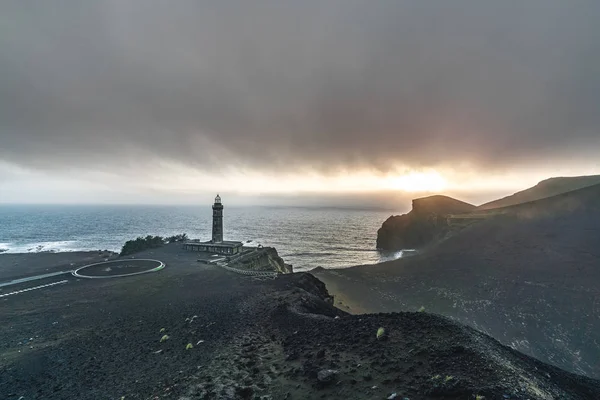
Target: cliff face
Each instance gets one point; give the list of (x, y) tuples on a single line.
[(423, 224), (262, 259)]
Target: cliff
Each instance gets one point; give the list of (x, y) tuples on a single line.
[(423, 224), (261, 259)]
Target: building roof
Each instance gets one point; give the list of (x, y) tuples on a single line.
[(225, 243)]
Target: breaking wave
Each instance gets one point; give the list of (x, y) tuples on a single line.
[(39, 247)]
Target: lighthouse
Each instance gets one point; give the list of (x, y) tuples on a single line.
[(216, 245), (217, 225)]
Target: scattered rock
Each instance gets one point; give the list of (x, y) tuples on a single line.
[(326, 376)]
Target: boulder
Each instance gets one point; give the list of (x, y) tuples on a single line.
[(261, 259), (326, 376)]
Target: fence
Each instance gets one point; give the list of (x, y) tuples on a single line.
[(267, 274)]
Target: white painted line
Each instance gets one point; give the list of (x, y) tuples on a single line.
[(33, 278), (33, 288), (76, 273)]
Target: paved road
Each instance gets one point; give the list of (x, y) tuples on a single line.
[(32, 278)]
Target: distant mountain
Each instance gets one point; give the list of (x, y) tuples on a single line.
[(529, 275), (424, 223), (546, 188)]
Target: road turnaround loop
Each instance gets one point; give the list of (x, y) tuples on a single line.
[(118, 268)]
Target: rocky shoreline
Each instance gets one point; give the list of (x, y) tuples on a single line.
[(236, 337)]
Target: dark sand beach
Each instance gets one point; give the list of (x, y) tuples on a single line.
[(251, 339)]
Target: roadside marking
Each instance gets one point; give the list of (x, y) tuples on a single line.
[(76, 273), (32, 278), (33, 288)]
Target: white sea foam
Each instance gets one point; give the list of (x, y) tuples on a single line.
[(36, 247)]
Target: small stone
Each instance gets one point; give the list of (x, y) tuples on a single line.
[(326, 376)]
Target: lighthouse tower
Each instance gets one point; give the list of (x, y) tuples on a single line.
[(217, 227), (217, 245)]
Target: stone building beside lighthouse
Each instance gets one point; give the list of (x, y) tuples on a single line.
[(217, 245)]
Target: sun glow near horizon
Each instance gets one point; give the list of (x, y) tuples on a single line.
[(460, 180), (167, 181), (419, 182), (424, 181)]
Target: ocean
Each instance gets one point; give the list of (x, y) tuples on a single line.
[(304, 237)]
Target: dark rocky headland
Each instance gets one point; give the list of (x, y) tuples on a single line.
[(425, 223)]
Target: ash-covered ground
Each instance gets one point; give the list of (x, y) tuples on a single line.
[(250, 339)]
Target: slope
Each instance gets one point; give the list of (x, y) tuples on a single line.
[(546, 188), (529, 277)]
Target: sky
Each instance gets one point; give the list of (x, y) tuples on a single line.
[(335, 102)]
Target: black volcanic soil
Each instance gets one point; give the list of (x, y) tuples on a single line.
[(252, 339), (14, 266), (531, 280)]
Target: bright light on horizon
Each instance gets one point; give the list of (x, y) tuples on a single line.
[(359, 181), (166, 182), (419, 182)]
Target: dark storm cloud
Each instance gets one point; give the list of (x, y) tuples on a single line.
[(284, 84)]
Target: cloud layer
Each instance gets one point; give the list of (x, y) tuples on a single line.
[(285, 85)]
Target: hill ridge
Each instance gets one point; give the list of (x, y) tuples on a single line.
[(543, 189)]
